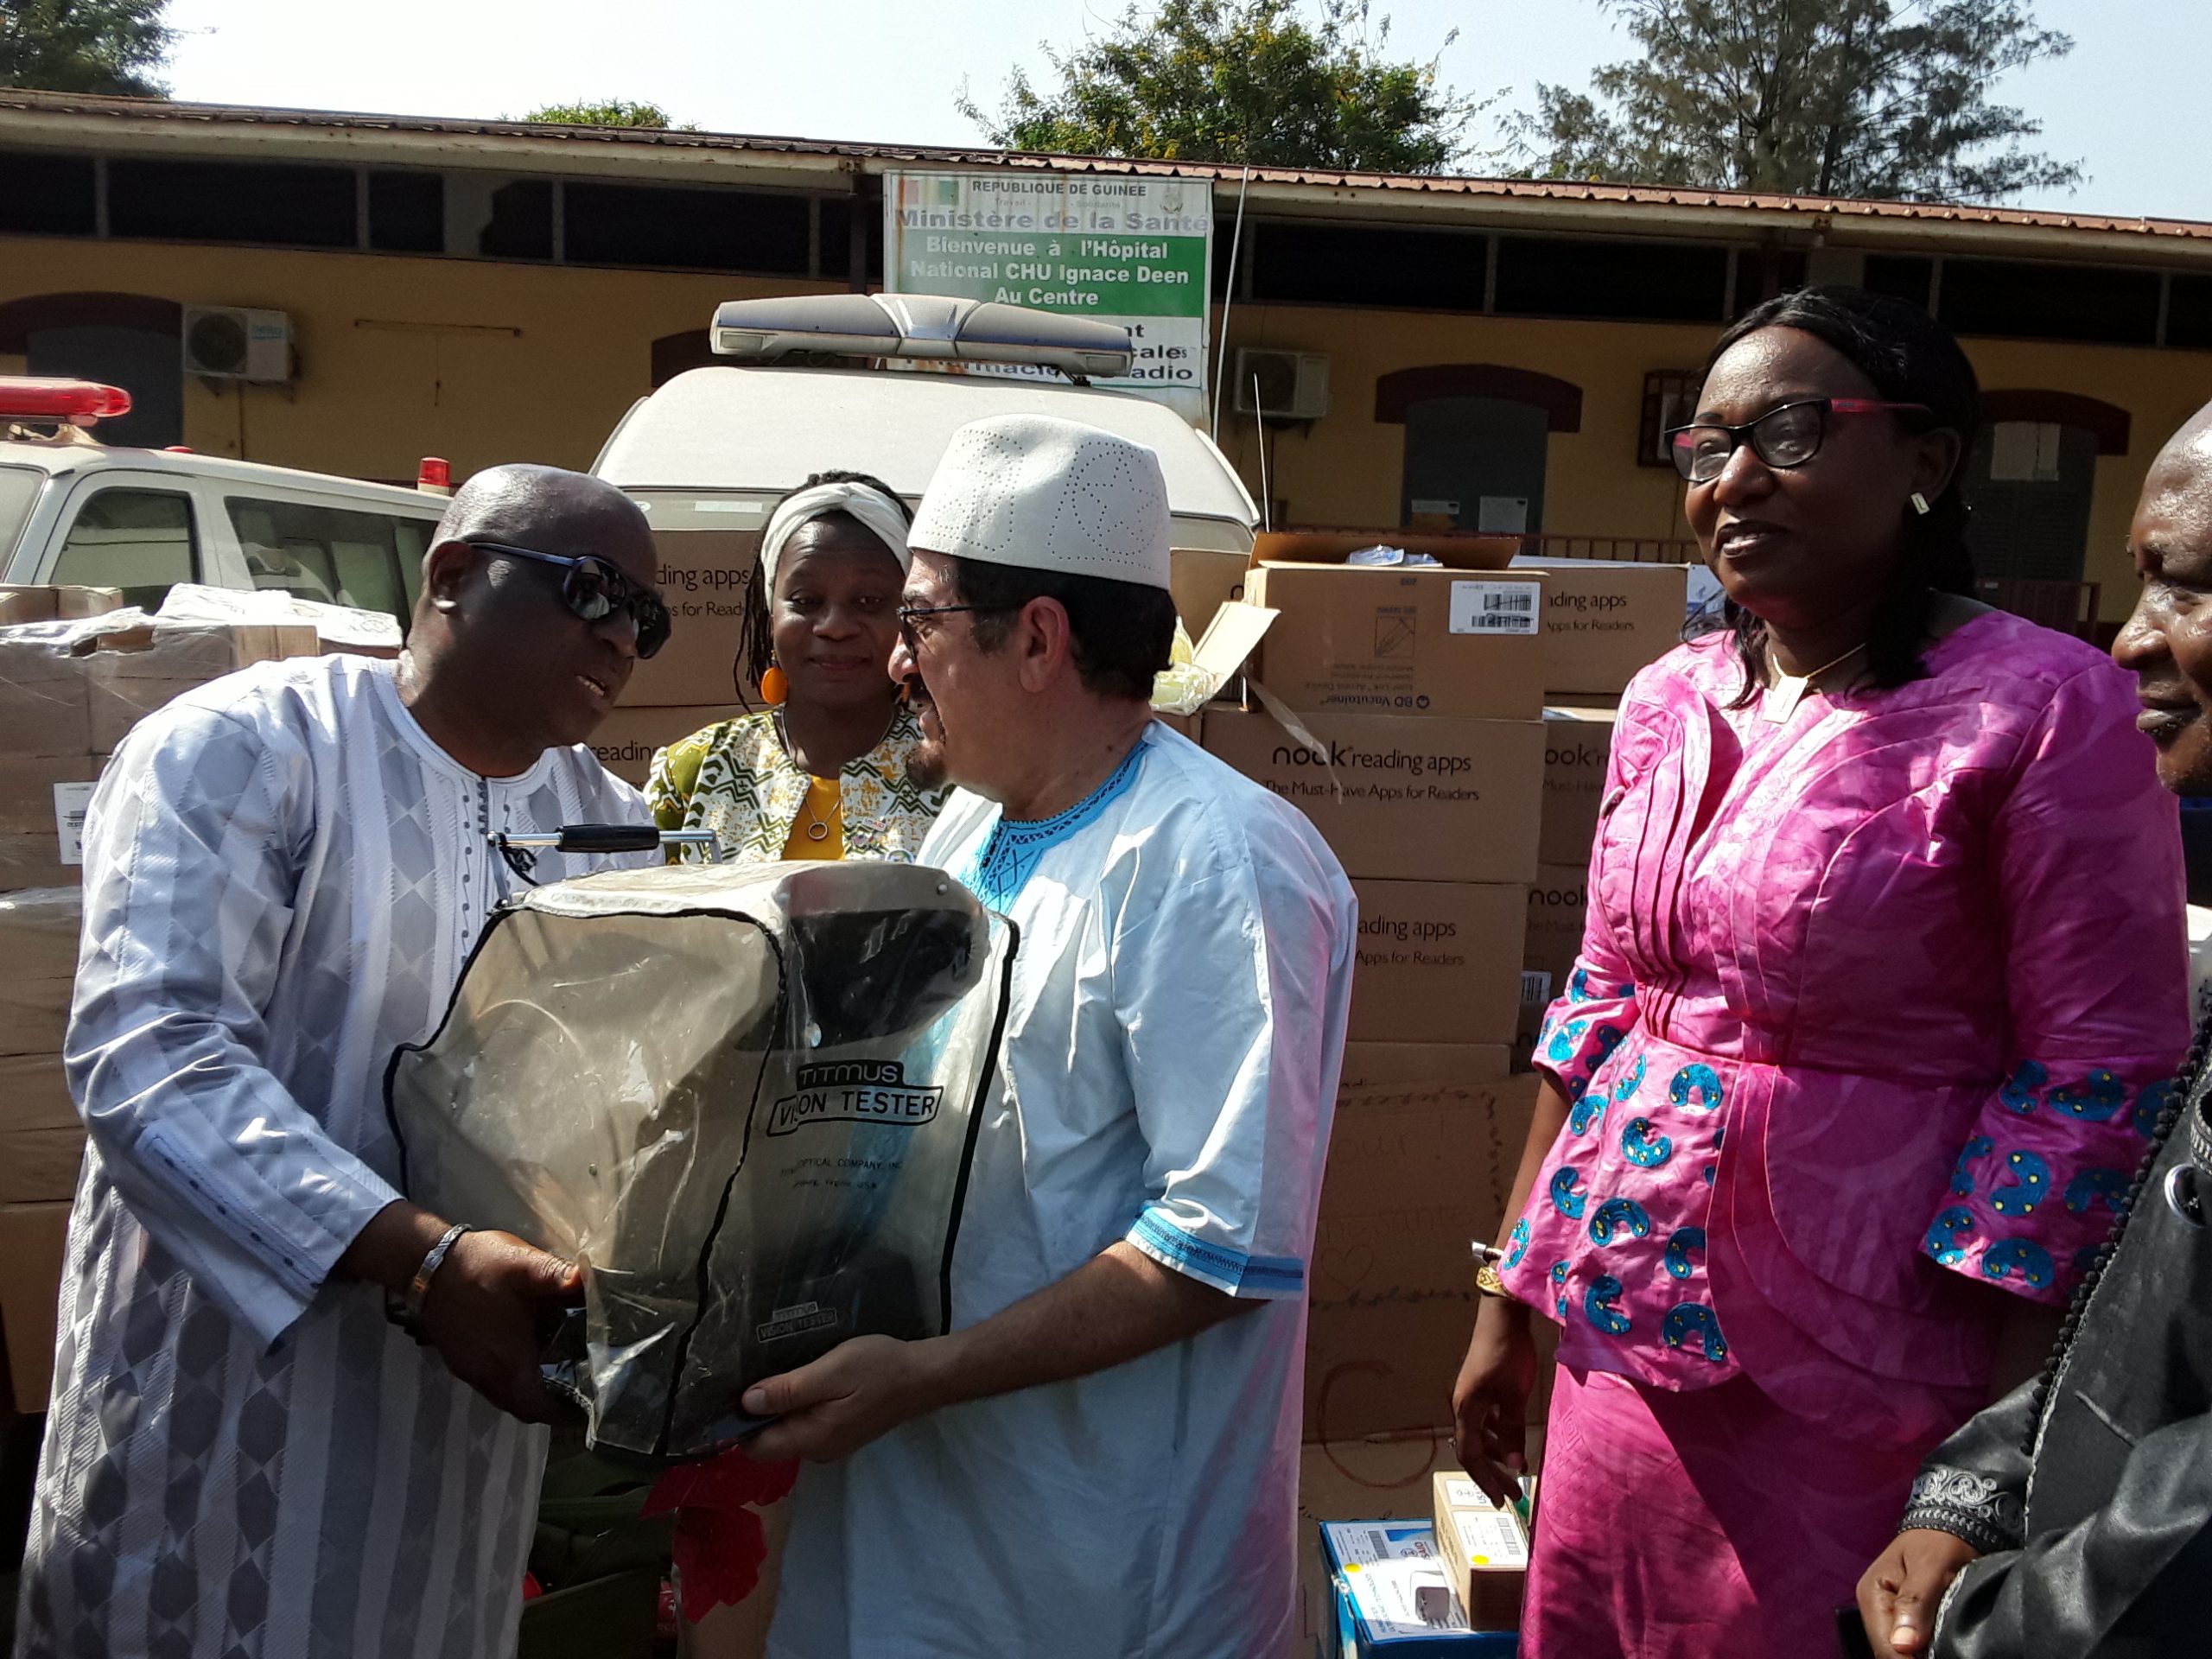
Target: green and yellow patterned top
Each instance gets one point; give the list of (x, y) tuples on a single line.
[(737, 780)]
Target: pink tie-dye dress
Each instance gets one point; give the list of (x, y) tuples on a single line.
[(1874, 1009)]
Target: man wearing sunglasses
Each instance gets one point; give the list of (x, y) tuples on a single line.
[(293, 1413)]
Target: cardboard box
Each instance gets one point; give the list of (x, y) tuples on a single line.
[(20, 603), (35, 1093), (1444, 800), (137, 670), (1486, 1548), (42, 695), (40, 1166), (53, 703), (43, 803), (1456, 550), (1578, 746), (34, 1012), (1439, 962), (1557, 906), (629, 737), (1394, 639), (1387, 1478), (1604, 619), (1415, 1175), (1392, 1588), (1391, 1064), (1203, 579), (38, 932), (32, 1241), (337, 627), (704, 576)]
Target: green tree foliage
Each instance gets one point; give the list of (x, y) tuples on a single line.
[(607, 112), (1880, 99), (84, 46), (1240, 81)]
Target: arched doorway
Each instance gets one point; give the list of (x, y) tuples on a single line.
[(1478, 436), (2029, 479), (120, 340)]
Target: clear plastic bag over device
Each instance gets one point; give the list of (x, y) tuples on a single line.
[(744, 1098)]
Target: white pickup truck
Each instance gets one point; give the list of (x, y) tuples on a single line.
[(75, 511)]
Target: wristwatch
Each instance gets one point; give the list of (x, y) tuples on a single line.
[(404, 1308)]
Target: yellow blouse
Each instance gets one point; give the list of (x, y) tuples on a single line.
[(818, 811), (737, 780)]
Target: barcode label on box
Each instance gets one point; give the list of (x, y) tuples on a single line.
[(1536, 987), (1495, 607), (70, 803)]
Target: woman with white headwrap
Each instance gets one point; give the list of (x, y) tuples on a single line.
[(821, 772)]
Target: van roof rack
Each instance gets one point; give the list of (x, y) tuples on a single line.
[(924, 326)]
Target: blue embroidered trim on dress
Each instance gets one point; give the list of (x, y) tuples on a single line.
[(1003, 864)]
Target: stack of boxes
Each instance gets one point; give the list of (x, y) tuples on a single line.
[(1415, 745), (1446, 730), (1603, 622), (61, 714), (1399, 707)]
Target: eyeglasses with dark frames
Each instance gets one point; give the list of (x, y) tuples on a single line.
[(907, 613), (594, 590), (1787, 435)]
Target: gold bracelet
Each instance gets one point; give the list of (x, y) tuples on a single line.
[(1487, 1283)]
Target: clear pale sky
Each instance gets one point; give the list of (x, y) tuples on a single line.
[(2132, 101)]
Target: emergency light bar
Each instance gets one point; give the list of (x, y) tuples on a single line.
[(920, 326), (80, 402)]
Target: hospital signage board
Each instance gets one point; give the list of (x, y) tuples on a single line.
[(1136, 251)]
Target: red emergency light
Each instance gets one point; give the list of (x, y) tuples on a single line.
[(435, 476), (27, 397)]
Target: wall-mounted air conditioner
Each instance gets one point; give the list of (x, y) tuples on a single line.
[(1282, 385), (230, 342)]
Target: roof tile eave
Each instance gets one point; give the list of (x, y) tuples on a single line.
[(161, 111)]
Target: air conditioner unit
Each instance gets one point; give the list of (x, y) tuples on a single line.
[(1291, 385), (229, 342)]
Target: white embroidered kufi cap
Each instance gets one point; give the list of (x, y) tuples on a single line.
[(1048, 494)]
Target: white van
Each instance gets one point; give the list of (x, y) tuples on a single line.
[(74, 511), (708, 454)]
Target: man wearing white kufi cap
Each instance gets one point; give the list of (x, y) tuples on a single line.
[(1102, 1459)]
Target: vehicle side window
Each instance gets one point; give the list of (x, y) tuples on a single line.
[(337, 555), (140, 541), (19, 489)]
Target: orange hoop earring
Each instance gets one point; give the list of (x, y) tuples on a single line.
[(775, 686)]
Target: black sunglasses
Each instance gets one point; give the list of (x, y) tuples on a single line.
[(594, 590)]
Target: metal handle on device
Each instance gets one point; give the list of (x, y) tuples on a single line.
[(599, 838), (521, 851)]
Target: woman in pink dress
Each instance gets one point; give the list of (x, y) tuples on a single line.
[(1883, 977)]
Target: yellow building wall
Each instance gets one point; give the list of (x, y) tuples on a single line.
[(399, 358), (1347, 468), (482, 361)]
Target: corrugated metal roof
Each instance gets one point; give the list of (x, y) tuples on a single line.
[(155, 114)]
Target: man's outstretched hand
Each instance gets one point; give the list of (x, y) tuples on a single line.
[(860, 1390)]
